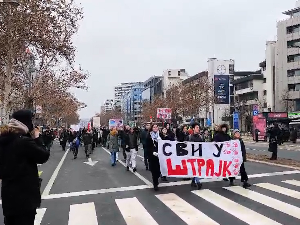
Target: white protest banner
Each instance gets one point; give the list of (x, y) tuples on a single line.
[(200, 159)]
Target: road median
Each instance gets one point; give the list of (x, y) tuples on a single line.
[(288, 163)]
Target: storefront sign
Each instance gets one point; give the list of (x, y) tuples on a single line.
[(200, 159), (294, 115), (277, 115)]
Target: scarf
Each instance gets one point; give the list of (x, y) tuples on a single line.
[(155, 136)]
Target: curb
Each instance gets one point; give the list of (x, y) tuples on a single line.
[(273, 164)]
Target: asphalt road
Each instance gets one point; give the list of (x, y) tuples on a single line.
[(284, 151), (76, 193)]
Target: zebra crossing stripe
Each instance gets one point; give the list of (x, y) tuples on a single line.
[(83, 214), (292, 182), (241, 212), (39, 216), (188, 213), (280, 190), (134, 212), (266, 200)]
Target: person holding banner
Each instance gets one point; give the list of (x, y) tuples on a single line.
[(152, 146), (244, 176), (196, 137)]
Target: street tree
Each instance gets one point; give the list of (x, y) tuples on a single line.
[(45, 28)]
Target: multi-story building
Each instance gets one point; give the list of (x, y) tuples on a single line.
[(131, 103), (287, 68), (108, 105), (122, 89), (172, 77), (152, 87)]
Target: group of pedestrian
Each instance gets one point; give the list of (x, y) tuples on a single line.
[(152, 134)]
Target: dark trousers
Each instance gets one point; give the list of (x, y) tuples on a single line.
[(155, 169), (244, 176), (25, 219), (124, 152), (63, 145), (273, 147), (146, 157)]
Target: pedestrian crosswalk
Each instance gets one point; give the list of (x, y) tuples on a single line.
[(247, 210)]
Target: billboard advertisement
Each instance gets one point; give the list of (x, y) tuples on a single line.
[(221, 87), (115, 123)]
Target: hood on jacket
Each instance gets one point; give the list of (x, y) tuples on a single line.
[(222, 126), (13, 129)]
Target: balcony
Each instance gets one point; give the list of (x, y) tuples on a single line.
[(293, 65), (294, 80), (245, 91), (292, 95)]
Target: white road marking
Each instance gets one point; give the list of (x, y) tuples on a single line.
[(39, 216), (241, 212), (292, 182), (54, 175), (188, 213), (280, 190), (141, 187), (266, 200), (95, 192), (83, 214), (134, 212), (135, 173)]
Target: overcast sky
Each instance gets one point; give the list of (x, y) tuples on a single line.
[(131, 40)]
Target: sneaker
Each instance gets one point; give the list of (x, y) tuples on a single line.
[(156, 188), (134, 170)]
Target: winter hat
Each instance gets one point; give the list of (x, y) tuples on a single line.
[(25, 117), (235, 131)]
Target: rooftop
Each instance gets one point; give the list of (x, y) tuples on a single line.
[(248, 78)]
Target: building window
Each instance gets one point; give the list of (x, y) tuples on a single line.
[(293, 43), (265, 80), (265, 92), (293, 29), (291, 73), (293, 58), (291, 87), (179, 73), (297, 87), (169, 73)]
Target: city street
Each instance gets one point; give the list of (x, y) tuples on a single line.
[(285, 151), (94, 193)]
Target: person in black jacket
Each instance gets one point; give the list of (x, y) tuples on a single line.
[(196, 137), (244, 177), (183, 135), (152, 145), (131, 149), (274, 133), (220, 136), (21, 149), (143, 138)]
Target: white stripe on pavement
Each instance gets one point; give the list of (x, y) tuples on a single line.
[(292, 182), (134, 212), (268, 201), (54, 175), (280, 190), (241, 212), (135, 173), (188, 213), (83, 214), (39, 216)]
